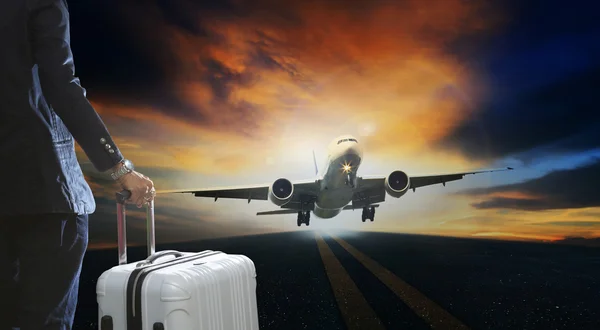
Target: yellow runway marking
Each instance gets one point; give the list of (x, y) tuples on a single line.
[(432, 313), (356, 311)]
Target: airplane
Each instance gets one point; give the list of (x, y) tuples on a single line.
[(337, 188)]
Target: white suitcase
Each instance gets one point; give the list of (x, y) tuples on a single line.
[(175, 290)]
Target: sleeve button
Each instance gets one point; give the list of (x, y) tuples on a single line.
[(107, 146), (111, 151), (102, 141)]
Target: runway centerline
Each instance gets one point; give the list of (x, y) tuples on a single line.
[(432, 313), (355, 309)]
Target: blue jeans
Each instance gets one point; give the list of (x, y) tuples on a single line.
[(40, 263)]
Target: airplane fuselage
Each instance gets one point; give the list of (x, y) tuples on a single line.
[(338, 178)]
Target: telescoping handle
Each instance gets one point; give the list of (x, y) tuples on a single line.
[(122, 197)]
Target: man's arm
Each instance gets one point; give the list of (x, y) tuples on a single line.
[(50, 41)]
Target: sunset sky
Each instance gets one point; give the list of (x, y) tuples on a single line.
[(199, 94)]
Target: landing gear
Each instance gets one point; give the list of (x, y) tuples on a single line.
[(368, 213), (349, 181), (303, 217)]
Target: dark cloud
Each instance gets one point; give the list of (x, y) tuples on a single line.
[(221, 78), (546, 19), (263, 59), (187, 14), (572, 188), (539, 73), (107, 58), (127, 60), (120, 65), (583, 241), (537, 35), (561, 117)]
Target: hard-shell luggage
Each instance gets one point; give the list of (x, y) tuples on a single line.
[(175, 290)]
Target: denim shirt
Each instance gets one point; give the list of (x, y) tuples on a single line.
[(43, 111)]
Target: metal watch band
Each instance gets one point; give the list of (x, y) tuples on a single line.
[(121, 171)]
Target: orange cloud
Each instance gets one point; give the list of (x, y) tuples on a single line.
[(329, 69), (539, 225), (517, 236), (512, 195), (383, 64)]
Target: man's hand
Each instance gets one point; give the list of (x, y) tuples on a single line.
[(141, 187)]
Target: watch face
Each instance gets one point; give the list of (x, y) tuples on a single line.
[(128, 164)]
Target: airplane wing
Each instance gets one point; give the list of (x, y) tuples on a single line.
[(372, 190), (427, 180), (303, 190), (292, 211)]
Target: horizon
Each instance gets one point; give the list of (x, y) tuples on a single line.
[(581, 241)]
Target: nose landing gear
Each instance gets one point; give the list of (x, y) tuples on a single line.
[(303, 217), (368, 213), (349, 181)]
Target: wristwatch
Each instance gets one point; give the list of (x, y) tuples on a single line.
[(127, 167)]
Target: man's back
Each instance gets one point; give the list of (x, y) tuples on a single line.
[(16, 81), (36, 86)]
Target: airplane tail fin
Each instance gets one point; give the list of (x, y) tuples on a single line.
[(315, 161)]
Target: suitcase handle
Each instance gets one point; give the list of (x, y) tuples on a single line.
[(160, 254), (122, 197)]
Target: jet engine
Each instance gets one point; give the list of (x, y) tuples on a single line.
[(397, 184), (281, 191)]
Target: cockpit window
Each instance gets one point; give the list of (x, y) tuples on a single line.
[(346, 140)]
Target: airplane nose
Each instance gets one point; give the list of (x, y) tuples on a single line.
[(353, 149)]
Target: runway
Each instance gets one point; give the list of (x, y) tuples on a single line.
[(351, 280)]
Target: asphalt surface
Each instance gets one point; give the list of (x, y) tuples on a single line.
[(319, 280)]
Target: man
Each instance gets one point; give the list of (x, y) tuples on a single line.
[(44, 199)]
